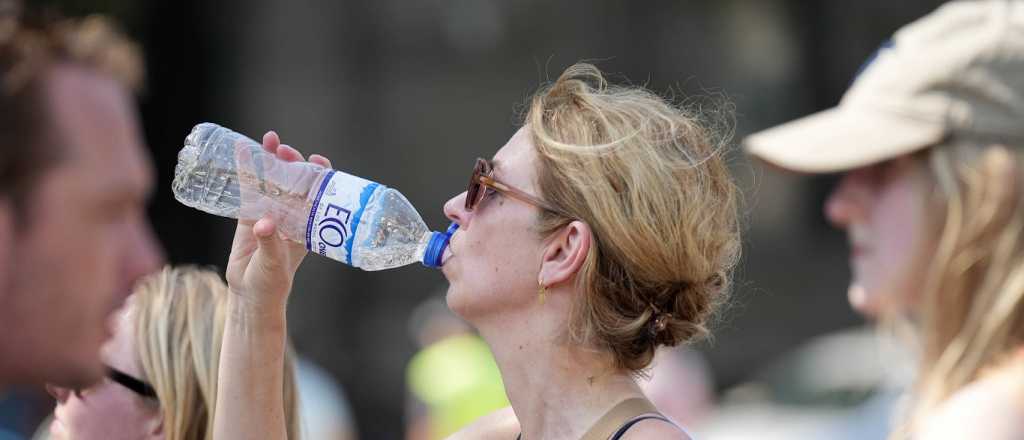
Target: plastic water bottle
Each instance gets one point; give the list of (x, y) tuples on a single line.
[(337, 215)]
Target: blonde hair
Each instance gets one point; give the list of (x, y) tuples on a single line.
[(649, 180), (972, 306), (179, 318)]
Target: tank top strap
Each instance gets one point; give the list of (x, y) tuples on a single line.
[(656, 416), (614, 423)]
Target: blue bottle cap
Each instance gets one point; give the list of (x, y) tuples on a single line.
[(434, 255)]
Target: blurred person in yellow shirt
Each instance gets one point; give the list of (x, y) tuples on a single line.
[(453, 379)]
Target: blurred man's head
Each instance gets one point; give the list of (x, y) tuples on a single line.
[(74, 177)]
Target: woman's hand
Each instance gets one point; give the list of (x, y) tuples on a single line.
[(261, 268), (262, 264)]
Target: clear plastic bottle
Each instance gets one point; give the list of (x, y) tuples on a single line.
[(337, 215)]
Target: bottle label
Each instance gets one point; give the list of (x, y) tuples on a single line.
[(335, 214)]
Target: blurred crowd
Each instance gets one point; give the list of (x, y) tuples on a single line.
[(591, 259)]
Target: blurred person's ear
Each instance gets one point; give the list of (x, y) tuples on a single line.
[(565, 253)]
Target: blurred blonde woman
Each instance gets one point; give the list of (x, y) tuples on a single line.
[(162, 365), (930, 141), (606, 227)]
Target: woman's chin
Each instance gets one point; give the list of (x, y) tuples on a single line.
[(456, 303), (463, 303), (861, 300), (57, 429)]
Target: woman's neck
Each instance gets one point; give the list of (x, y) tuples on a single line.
[(557, 390)]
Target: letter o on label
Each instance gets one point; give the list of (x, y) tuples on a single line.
[(331, 235)]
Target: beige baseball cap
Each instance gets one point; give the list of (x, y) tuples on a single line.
[(956, 73)]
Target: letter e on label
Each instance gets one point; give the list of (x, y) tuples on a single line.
[(332, 229)]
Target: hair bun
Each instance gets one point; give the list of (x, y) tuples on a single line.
[(659, 322)]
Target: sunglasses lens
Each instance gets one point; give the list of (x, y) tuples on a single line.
[(471, 195), (475, 191)]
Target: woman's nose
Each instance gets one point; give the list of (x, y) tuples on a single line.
[(455, 210), (59, 393), (845, 205)]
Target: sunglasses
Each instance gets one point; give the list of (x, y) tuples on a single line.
[(137, 385), (482, 179), (124, 379)]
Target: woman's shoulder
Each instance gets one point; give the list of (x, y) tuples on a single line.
[(655, 429), (990, 408)]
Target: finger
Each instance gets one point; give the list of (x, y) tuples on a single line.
[(320, 160), (296, 253), (242, 246), (271, 141), (289, 154), (264, 228), (269, 253)]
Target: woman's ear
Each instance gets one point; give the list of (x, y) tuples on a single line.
[(565, 253)]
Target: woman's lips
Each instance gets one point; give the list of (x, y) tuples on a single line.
[(447, 255)]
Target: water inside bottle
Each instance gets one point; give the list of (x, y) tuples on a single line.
[(211, 189), (377, 259), (399, 238), (288, 208)]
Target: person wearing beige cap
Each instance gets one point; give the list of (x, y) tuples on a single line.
[(929, 141)]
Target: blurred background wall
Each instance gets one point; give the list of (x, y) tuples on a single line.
[(408, 93)]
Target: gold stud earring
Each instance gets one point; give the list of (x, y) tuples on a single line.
[(542, 293)]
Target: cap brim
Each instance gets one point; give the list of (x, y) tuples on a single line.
[(841, 139)]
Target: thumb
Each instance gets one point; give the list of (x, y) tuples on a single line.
[(270, 255)]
